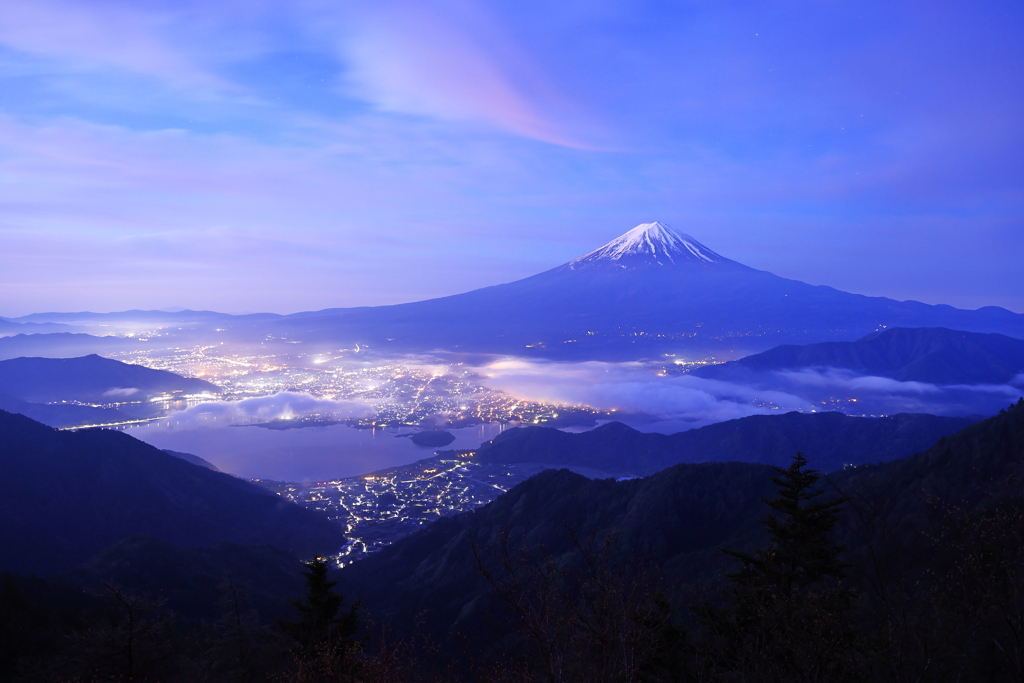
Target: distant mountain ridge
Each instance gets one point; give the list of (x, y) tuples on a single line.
[(64, 345), (137, 315), (9, 327), (62, 415), (925, 354), (90, 378), (831, 439), (651, 291)]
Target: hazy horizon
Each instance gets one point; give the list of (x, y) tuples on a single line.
[(177, 309)]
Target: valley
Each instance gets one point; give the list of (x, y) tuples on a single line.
[(379, 508)]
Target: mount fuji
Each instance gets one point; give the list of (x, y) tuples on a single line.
[(651, 291), (650, 244)]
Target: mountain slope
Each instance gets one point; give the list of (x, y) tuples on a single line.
[(678, 518), (673, 518), (194, 459), (92, 379), (62, 415), (649, 245), (64, 345), (8, 327), (68, 495), (192, 578), (933, 355), (650, 291), (831, 440)]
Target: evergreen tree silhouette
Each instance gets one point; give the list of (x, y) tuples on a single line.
[(319, 625), (785, 616), (799, 553)]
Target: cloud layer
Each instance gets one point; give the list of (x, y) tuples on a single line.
[(633, 389), (644, 398), (285, 405)]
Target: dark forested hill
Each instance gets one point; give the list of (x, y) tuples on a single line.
[(675, 518), (678, 517), (90, 378), (62, 414), (67, 495), (192, 578), (924, 354), (906, 502), (831, 440), (194, 459)]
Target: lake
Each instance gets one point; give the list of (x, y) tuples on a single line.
[(306, 454)]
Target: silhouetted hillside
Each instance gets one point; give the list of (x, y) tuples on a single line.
[(68, 495), (678, 517), (651, 291), (675, 518), (907, 500), (191, 579), (831, 439), (925, 354), (64, 345), (60, 414), (9, 327), (90, 378), (194, 459)]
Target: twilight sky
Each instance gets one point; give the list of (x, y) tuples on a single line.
[(286, 155)]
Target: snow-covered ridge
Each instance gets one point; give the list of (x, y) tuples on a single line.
[(651, 242)]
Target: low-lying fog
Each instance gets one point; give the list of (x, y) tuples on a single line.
[(647, 400), (642, 395)]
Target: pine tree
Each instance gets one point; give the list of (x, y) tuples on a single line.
[(799, 553), (319, 625), (785, 615)]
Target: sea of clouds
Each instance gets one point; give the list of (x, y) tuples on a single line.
[(643, 397), (285, 405)]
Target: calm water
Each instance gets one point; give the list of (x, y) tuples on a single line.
[(307, 454)]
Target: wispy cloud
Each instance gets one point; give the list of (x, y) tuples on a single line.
[(453, 61), (123, 35), (833, 378)]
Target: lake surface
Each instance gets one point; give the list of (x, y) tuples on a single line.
[(306, 454)]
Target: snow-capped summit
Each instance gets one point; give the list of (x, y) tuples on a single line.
[(650, 243)]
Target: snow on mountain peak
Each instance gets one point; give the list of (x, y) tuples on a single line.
[(651, 243)]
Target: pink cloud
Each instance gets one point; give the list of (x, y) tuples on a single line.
[(455, 63)]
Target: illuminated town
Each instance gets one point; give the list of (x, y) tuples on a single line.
[(441, 395), (379, 508)]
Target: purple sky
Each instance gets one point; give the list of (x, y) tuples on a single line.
[(285, 156)]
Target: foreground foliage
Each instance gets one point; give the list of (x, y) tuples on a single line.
[(909, 571)]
